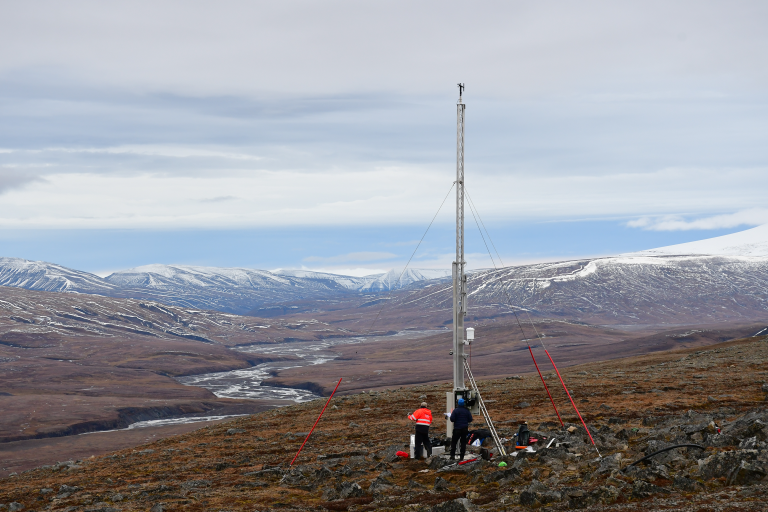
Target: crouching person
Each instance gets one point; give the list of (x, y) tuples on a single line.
[(423, 419)]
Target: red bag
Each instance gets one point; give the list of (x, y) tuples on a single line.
[(402, 454)]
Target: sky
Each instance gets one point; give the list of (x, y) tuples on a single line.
[(305, 134)]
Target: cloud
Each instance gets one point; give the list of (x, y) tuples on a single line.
[(219, 199), (578, 111), (11, 179), (363, 256), (348, 271), (751, 217)]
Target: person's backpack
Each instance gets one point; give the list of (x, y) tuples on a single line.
[(523, 435)]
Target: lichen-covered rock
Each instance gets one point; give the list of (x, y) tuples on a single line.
[(539, 494), (609, 463), (606, 494), (642, 489), (686, 484), (724, 464), (379, 485), (329, 494), (348, 490), (457, 505), (438, 462), (441, 484), (746, 474), (578, 498)]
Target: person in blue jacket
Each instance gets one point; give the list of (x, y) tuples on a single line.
[(461, 418)]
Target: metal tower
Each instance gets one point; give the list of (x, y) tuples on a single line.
[(460, 284), (459, 279)]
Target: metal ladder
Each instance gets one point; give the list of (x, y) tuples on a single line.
[(487, 416)]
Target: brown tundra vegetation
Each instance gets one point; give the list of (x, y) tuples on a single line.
[(713, 397)]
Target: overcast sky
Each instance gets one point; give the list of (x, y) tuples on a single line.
[(289, 123)]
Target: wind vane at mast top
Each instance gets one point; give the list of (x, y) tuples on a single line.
[(461, 89)]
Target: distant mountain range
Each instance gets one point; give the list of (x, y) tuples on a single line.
[(233, 290), (723, 278)]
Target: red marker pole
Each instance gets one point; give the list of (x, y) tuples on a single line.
[(545, 387), (572, 402), (316, 422)]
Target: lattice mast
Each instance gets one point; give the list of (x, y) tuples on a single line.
[(459, 278)]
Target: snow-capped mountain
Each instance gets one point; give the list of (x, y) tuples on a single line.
[(710, 280), (749, 243), (718, 279), (234, 290), (620, 290), (392, 280), (40, 275)]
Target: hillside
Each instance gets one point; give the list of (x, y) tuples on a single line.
[(72, 363), (630, 291), (633, 407)]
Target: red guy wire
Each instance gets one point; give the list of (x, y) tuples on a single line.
[(545, 387), (316, 422), (572, 402)]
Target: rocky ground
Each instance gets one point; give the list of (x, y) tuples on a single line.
[(633, 407)]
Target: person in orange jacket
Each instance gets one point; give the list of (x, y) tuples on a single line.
[(423, 419)]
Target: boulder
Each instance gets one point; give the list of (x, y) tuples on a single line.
[(379, 485), (296, 478), (439, 462), (686, 484), (578, 498), (441, 484), (195, 484), (642, 489), (647, 474), (330, 494), (538, 494), (413, 484), (348, 490), (746, 474), (606, 494), (720, 440), (457, 505), (609, 463), (389, 454), (501, 476), (728, 464)]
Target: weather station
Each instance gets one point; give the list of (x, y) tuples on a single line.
[(463, 338)]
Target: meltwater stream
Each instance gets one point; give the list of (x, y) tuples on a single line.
[(246, 383)]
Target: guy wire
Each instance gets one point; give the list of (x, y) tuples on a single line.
[(399, 279)]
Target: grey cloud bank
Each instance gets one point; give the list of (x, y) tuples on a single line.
[(239, 114)]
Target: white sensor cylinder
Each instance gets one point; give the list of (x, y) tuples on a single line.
[(470, 333)]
